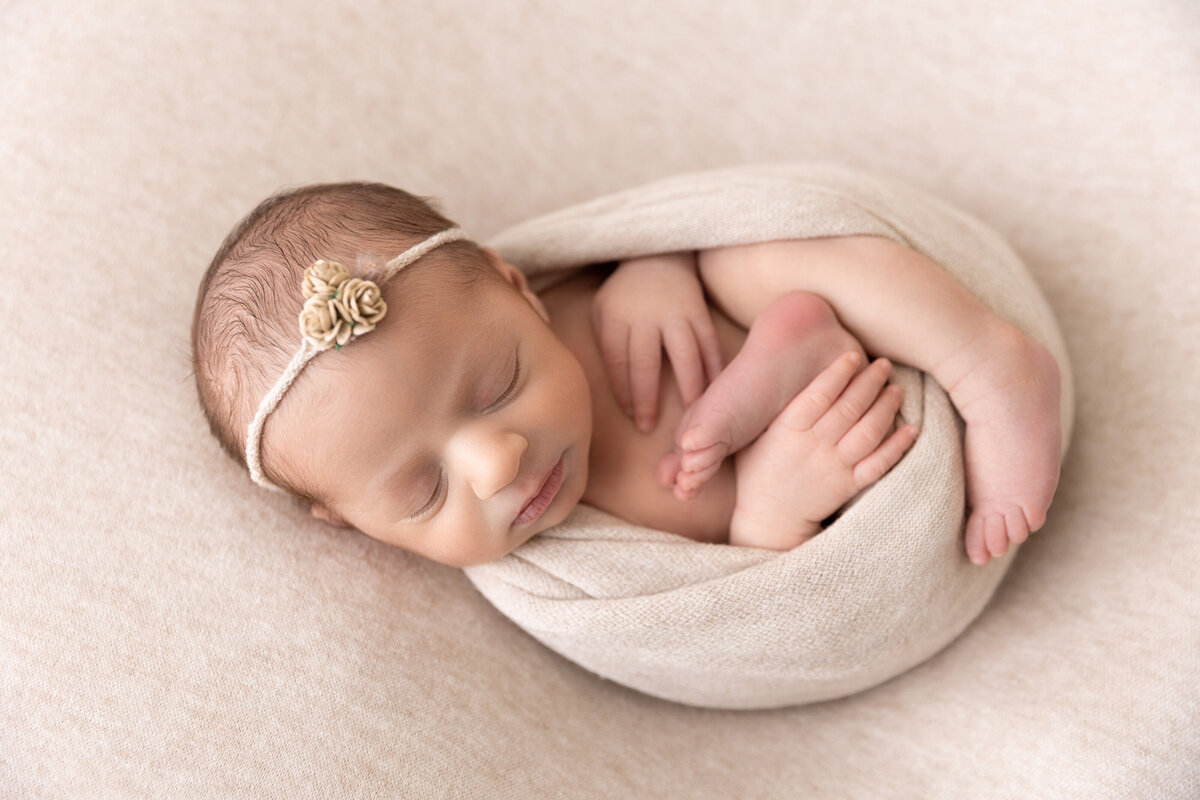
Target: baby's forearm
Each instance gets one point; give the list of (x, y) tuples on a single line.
[(899, 303)]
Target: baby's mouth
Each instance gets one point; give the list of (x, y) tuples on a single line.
[(544, 496)]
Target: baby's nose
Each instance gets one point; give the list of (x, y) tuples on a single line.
[(491, 460)]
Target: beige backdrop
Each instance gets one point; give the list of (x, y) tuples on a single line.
[(168, 630)]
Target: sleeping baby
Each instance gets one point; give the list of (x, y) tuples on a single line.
[(456, 413)]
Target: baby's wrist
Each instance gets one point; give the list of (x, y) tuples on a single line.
[(746, 529)]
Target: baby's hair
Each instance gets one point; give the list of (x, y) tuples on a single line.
[(244, 328)]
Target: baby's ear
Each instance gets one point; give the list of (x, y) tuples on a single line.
[(511, 273), (323, 513), (517, 278)]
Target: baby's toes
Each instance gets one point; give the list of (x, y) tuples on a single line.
[(688, 483), (1018, 528), (990, 532), (709, 428), (667, 470), (974, 541), (995, 534), (1004, 526), (685, 491), (703, 458)]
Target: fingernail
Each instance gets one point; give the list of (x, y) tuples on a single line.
[(644, 424), (853, 358)]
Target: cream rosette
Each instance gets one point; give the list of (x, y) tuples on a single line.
[(338, 308), (323, 278)]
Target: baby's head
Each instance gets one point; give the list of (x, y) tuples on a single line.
[(457, 428)]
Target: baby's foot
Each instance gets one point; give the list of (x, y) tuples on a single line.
[(1009, 399), (790, 342)]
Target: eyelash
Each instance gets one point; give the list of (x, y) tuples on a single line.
[(437, 492), (423, 511), (511, 386)]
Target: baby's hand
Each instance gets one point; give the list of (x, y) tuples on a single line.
[(828, 444), (648, 305)]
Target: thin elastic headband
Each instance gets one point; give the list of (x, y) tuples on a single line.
[(337, 310)]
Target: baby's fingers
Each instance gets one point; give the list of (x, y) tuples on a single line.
[(873, 425), (886, 456), (684, 353), (710, 346), (645, 367), (614, 347), (819, 396), (854, 403)]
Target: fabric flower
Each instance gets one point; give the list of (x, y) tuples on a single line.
[(323, 278), (321, 324), (339, 308), (360, 303)]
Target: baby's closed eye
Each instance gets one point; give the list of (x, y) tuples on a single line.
[(427, 508), (511, 389)]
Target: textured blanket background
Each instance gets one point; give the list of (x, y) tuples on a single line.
[(165, 630), (884, 587)]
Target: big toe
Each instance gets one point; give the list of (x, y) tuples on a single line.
[(705, 433), (974, 541), (703, 459), (995, 534), (991, 531)]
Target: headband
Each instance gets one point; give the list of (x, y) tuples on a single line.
[(337, 310)]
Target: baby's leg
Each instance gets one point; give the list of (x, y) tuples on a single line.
[(789, 343), (1008, 396), (904, 306)]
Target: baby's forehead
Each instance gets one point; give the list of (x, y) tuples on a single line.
[(450, 310), (442, 333)]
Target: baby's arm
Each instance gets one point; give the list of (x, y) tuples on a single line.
[(904, 306)]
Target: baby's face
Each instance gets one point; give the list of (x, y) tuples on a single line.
[(457, 436)]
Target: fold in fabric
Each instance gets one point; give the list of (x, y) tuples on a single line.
[(883, 588)]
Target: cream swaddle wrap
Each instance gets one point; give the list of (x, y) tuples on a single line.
[(883, 588)]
